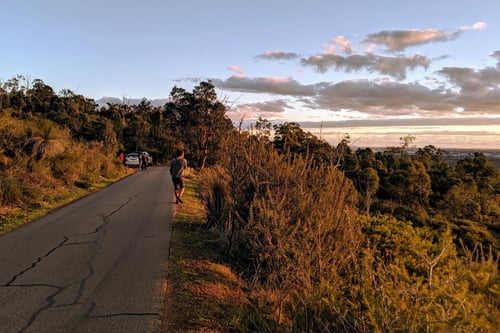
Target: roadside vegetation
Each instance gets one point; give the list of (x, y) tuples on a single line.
[(203, 292), (42, 168), (292, 234), (336, 241)]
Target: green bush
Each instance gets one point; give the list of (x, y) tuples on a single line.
[(413, 280)]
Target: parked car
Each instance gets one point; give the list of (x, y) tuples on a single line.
[(134, 159), (149, 159)]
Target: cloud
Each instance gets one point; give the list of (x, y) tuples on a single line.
[(454, 93), (474, 83), (277, 55), (413, 99), (445, 133), (386, 98), (236, 69), (446, 121), (395, 67), (276, 106), (496, 55), (377, 99), (333, 46), (398, 40), (270, 110), (476, 26), (279, 86)]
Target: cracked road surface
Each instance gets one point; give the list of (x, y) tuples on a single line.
[(96, 265)]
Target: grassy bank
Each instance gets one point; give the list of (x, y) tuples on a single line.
[(12, 217), (203, 295)]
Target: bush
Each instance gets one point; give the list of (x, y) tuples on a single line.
[(11, 188), (214, 192), (40, 163), (293, 229), (68, 166), (314, 265)]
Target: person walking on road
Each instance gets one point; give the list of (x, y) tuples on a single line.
[(143, 161), (177, 167)]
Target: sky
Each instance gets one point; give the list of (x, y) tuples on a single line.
[(374, 70)]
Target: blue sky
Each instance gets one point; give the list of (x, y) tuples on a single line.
[(376, 70)]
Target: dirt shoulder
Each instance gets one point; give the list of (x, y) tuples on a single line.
[(203, 294)]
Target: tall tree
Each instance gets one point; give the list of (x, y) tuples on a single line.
[(200, 120)]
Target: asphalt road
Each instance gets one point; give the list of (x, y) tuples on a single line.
[(96, 265)]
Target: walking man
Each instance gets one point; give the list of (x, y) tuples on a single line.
[(177, 167), (143, 161)]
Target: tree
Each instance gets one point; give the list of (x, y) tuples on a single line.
[(136, 132), (290, 138), (200, 120), (369, 183), (40, 97), (481, 169), (263, 128), (345, 159), (419, 184), (442, 176)]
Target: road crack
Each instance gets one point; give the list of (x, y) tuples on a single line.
[(51, 299), (36, 262), (106, 219)]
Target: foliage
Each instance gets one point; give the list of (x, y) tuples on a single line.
[(204, 294), (416, 281), (289, 220), (42, 160), (199, 120)]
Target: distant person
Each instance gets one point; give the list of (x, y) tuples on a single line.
[(144, 162), (121, 157), (177, 167)]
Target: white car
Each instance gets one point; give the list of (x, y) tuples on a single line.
[(134, 159)]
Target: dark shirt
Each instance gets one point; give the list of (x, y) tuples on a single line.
[(177, 167)]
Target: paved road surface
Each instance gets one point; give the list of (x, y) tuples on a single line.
[(97, 265)]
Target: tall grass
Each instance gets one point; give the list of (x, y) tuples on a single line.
[(291, 228), (314, 265)]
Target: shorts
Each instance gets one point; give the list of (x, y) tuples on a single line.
[(178, 182)]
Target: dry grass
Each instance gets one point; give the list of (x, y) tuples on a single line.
[(52, 197), (203, 294)]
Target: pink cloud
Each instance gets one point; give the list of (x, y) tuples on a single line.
[(238, 70)]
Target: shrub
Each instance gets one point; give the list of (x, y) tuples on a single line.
[(215, 193), (294, 234), (11, 187), (412, 280), (68, 166), (293, 228)]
